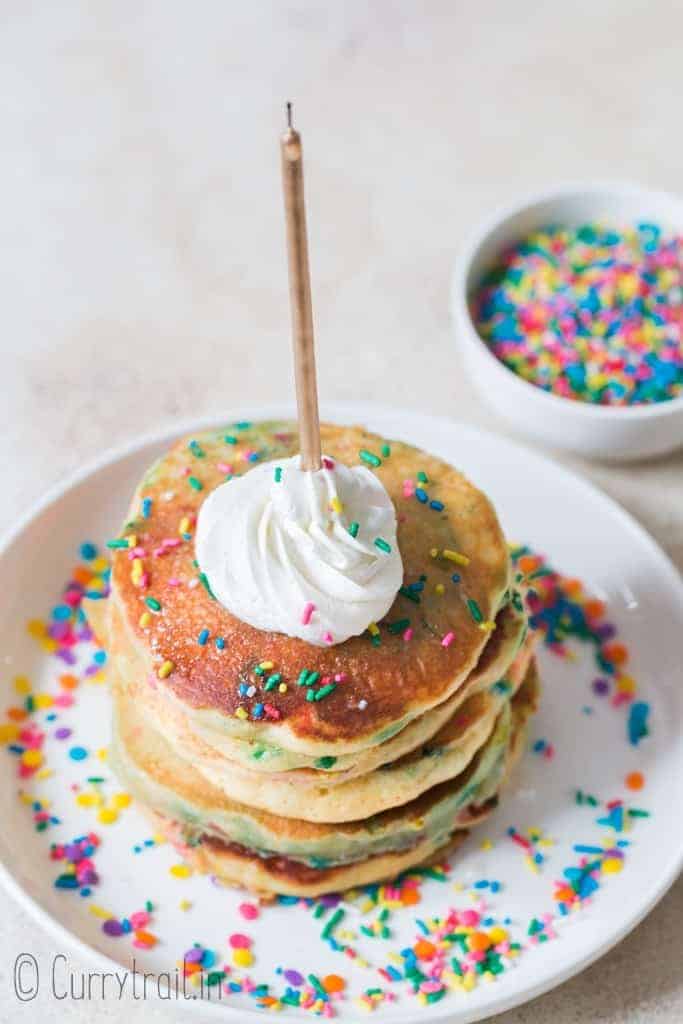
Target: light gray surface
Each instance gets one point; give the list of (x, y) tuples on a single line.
[(142, 265)]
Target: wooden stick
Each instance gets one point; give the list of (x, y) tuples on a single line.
[(300, 296)]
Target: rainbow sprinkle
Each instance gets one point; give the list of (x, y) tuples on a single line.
[(591, 313)]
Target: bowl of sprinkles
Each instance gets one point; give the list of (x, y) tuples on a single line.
[(568, 308)]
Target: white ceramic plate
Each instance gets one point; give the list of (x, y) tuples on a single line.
[(583, 534)]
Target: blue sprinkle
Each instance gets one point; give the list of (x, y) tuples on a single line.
[(99, 657), (421, 495), (88, 551), (258, 710), (637, 722), (146, 507), (438, 506), (61, 612), (456, 577), (203, 637), (220, 643), (78, 753)]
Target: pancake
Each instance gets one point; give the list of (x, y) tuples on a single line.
[(269, 872), (501, 655), (444, 756), (386, 682)]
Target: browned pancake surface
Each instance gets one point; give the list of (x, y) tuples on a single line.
[(394, 677)]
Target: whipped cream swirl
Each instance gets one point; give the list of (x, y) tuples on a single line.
[(312, 555)]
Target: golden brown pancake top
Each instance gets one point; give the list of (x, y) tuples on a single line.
[(157, 583)]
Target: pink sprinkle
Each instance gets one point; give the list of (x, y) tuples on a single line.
[(408, 635), (63, 700), (170, 542), (340, 677), (174, 582), (224, 467), (307, 613), (249, 911), (139, 919), (448, 640), (137, 552), (158, 552), (239, 941), (328, 638)]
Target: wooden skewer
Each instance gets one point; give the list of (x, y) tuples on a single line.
[(300, 296)]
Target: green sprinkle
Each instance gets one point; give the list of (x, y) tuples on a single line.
[(353, 529), (242, 425), (325, 691), (475, 610), (152, 603), (196, 449), (636, 812), (278, 474), (410, 594), (119, 542), (382, 545), (422, 477), (195, 484), (272, 681), (386, 450), (317, 986), (368, 457), (312, 678), (336, 919), (303, 676), (320, 910), (326, 762), (230, 439), (310, 696), (399, 627), (259, 671), (207, 586)]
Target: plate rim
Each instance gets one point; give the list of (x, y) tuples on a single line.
[(364, 411)]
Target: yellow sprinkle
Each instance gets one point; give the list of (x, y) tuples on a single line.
[(22, 685), (180, 870), (486, 845), (43, 700), (282, 688), (44, 773), (184, 525), (241, 713), (159, 838), (336, 505), (497, 934), (455, 556), (185, 904), (611, 865), (487, 627), (99, 911), (165, 670), (434, 552), (121, 800), (8, 732), (36, 628), (86, 799), (132, 541), (267, 665), (26, 798), (144, 620), (439, 589), (32, 758), (242, 957), (108, 815), (373, 629), (99, 564), (103, 753)]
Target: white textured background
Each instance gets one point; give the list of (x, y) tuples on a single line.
[(142, 272)]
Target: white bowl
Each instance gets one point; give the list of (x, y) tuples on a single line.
[(630, 432)]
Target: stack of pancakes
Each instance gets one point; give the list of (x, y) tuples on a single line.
[(297, 769)]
